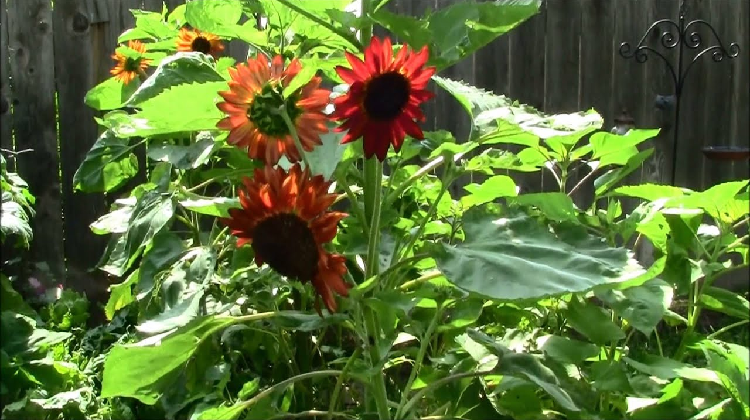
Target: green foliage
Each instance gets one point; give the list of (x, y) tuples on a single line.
[(488, 301), (17, 207)]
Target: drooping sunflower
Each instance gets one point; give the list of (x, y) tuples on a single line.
[(252, 106), (286, 220), (196, 40), (129, 65), (384, 95)]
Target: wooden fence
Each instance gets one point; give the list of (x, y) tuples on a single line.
[(562, 60)]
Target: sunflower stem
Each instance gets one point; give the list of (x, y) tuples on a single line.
[(293, 131)]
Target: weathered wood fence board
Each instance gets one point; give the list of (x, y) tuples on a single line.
[(6, 131), (563, 59), (32, 72)]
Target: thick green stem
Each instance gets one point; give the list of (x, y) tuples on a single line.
[(373, 188), (694, 312), (424, 343), (358, 213), (340, 382)]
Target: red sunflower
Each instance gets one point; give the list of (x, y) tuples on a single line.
[(195, 40), (255, 93), (384, 97), (285, 218), (128, 67)]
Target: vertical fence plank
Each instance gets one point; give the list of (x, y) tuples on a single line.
[(33, 72), (6, 132), (717, 119), (526, 75), (77, 129), (689, 160), (740, 97)]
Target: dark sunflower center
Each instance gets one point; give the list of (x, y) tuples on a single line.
[(201, 44), (132, 64), (386, 96), (285, 242), (261, 112)]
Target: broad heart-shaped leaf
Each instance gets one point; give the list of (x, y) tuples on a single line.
[(183, 67), (110, 94), (615, 149), (151, 214), (642, 306), (457, 31), (212, 206), (725, 301), (324, 158), (107, 166), (283, 20), (217, 17), (554, 205), (593, 322), (197, 112), (566, 350), (145, 370), (515, 257)]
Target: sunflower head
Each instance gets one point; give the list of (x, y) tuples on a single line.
[(284, 216), (384, 95), (252, 107), (130, 63), (195, 40)]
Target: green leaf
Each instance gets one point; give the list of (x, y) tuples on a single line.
[(554, 205), (11, 300), (107, 166), (566, 350), (593, 322), (665, 368), (490, 190), (725, 301), (151, 214), (324, 158), (614, 149), (184, 157), (218, 411), (607, 181), (146, 370), (180, 68), (15, 220), (283, 21), (642, 306), (720, 201), (458, 30), (121, 295), (198, 112), (153, 24), (491, 160), (650, 192), (526, 366), (464, 312), (115, 221), (608, 375), (216, 206), (110, 94), (515, 257), (219, 18)]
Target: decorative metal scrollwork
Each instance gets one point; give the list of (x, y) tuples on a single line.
[(681, 35)]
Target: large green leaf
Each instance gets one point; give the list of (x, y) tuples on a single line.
[(488, 191), (108, 165), (650, 192), (725, 301), (460, 29), (515, 257), (566, 350), (593, 322), (610, 179), (666, 368), (642, 306), (185, 157), (722, 202), (110, 94), (197, 112), (614, 149), (554, 205), (145, 370), (183, 67), (151, 214), (285, 20)]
